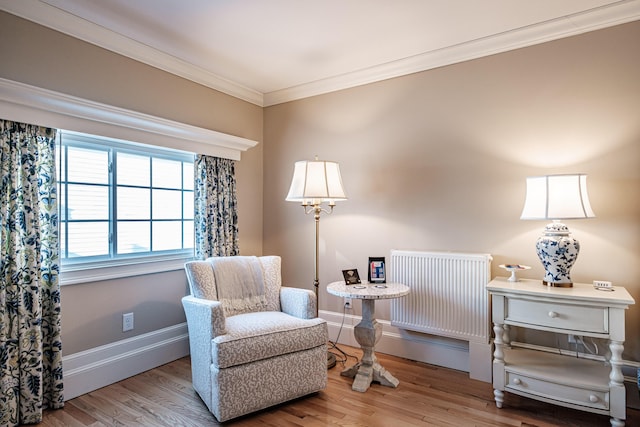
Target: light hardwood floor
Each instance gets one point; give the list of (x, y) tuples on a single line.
[(427, 396)]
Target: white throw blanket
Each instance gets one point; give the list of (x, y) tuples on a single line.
[(239, 284)]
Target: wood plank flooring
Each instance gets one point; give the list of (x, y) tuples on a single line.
[(427, 396)]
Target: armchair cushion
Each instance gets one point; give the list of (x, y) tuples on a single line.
[(260, 335)]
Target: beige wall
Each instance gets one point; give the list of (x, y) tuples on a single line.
[(437, 161), (32, 54)]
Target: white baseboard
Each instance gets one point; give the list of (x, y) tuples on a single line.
[(435, 350), (98, 367), (92, 369)]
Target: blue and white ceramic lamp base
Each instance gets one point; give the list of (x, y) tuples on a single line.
[(558, 252)]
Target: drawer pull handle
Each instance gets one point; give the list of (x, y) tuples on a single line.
[(517, 381), (553, 314), (593, 398)]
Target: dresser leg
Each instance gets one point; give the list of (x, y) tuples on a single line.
[(617, 423), (499, 331), (499, 396), (498, 352), (616, 378)]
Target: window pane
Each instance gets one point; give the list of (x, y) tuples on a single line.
[(133, 169), (188, 235), (133, 203), (167, 235), (88, 239), (63, 240), (167, 204), (187, 211), (187, 175), (167, 173), (133, 236), (88, 166), (62, 203), (88, 202), (60, 163)]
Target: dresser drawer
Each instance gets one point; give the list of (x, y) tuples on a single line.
[(522, 384), (560, 316)]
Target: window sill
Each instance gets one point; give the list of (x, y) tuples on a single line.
[(77, 274)]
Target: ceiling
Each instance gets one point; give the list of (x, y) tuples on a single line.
[(269, 52)]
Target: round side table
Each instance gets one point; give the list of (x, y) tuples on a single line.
[(368, 331)]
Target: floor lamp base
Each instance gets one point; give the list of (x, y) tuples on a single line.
[(331, 360)]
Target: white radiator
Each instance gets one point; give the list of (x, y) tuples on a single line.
[(448, 295)]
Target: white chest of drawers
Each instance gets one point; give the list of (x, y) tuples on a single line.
[(579, 383)]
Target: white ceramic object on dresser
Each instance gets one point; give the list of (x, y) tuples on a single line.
[(578, 383)]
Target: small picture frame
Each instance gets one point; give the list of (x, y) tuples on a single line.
[(377, 270), (351, 276)]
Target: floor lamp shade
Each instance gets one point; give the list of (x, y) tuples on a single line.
[(557, 198), (315, 182)]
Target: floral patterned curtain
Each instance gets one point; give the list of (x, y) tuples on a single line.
[(30, 346), (216, 217)]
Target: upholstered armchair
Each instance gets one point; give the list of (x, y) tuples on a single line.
[(253, 342)]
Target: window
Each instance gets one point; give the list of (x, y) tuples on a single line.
[(122, 202)]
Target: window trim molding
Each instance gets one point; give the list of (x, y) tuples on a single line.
[(30, 104), (109, 270)]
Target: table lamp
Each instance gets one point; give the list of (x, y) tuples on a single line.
[(557, 197)]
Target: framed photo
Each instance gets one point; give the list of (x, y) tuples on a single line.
[(377, 270), (351, 276)]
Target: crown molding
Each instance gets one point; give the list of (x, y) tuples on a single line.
[(602, 17), (64, 22), (31, 104), (595, 19)]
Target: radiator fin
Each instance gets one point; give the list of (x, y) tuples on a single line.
[(448, 294)]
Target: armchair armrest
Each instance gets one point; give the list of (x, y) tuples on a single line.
[(204, 317), (205, 320), (298, 302)]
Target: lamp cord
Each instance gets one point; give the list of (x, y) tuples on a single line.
[(343, 356)]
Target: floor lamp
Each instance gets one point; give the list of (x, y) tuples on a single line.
[(316, 182)]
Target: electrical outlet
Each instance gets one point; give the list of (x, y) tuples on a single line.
[(127, 322), (347, 303)]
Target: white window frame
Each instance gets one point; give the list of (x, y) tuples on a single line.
[(76, 271)]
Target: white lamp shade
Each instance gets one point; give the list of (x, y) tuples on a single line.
[(316, 181), (557, 197)]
